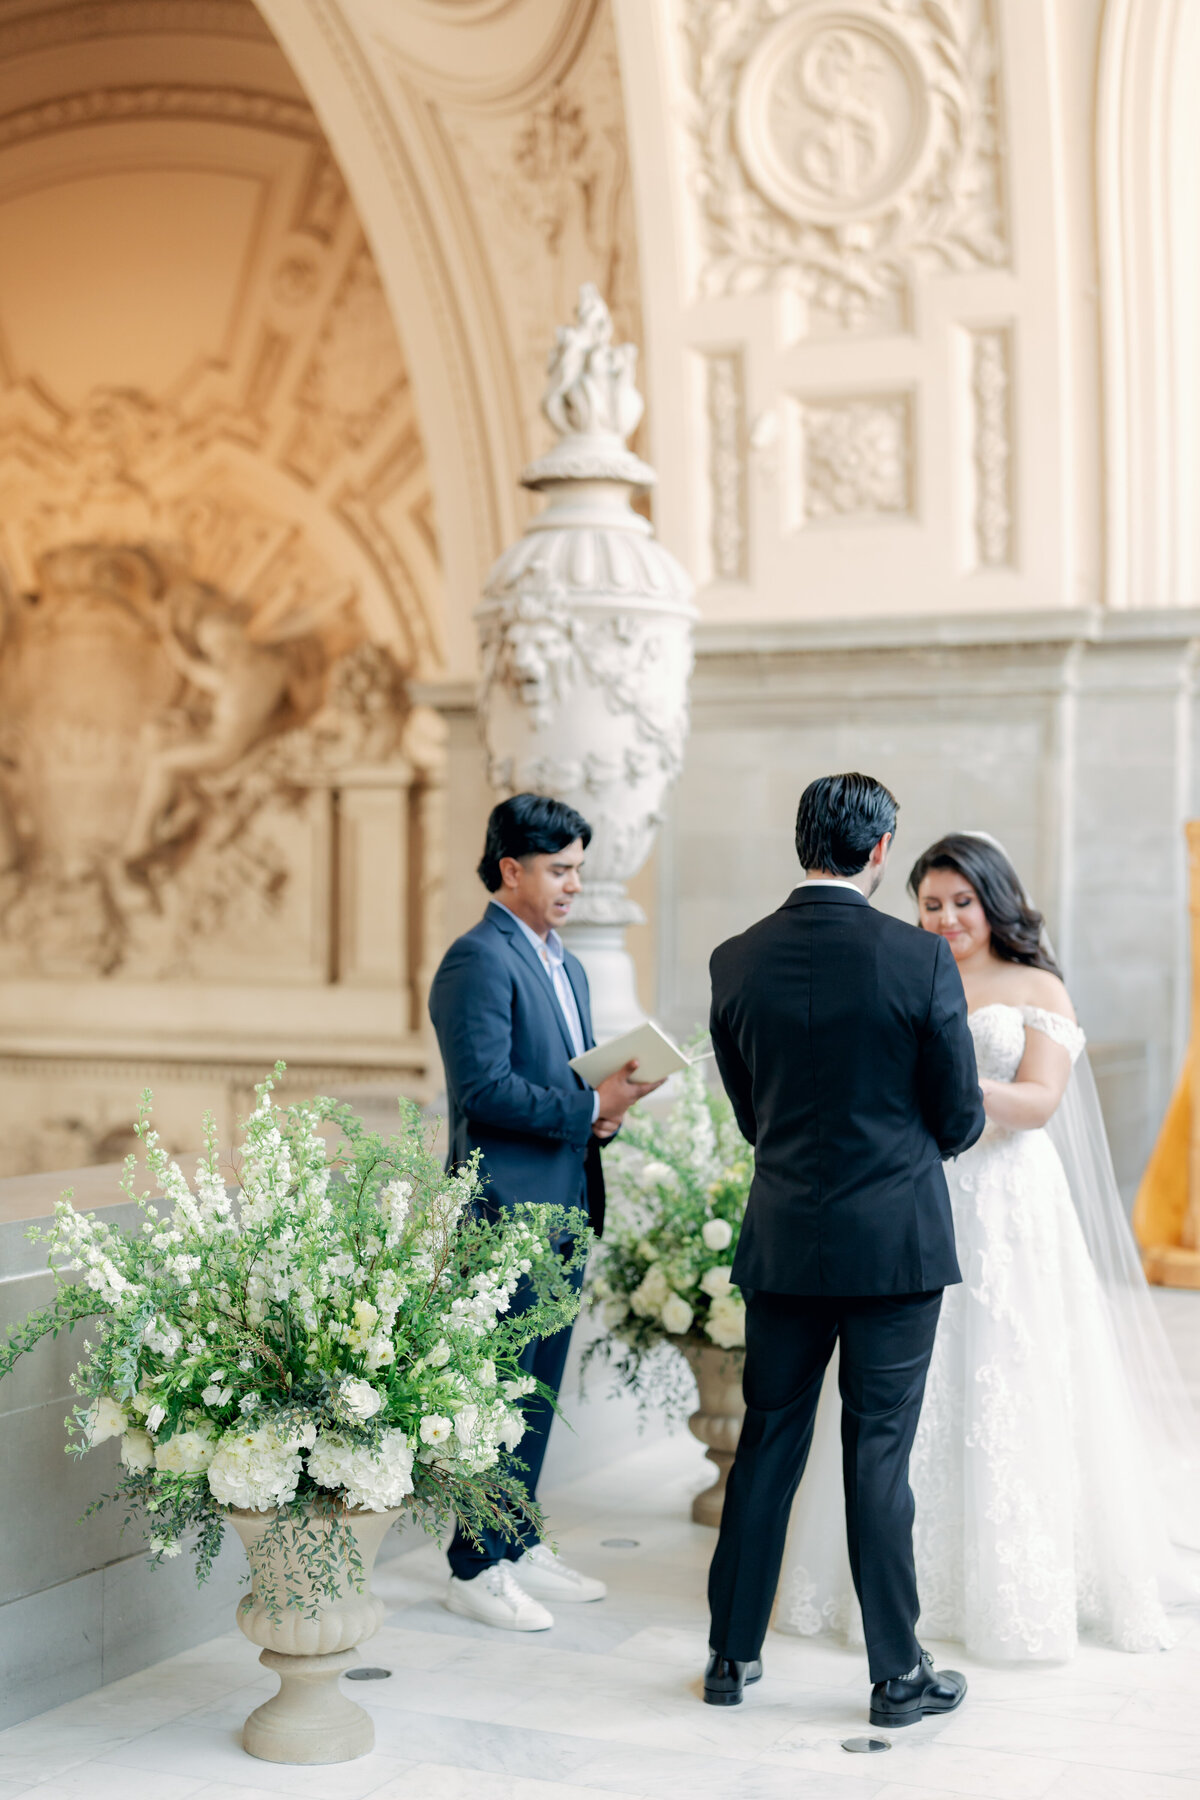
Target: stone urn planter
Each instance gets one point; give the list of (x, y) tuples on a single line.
[(309, 1720), (718, 1420)]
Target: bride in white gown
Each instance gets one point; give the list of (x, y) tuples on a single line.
[(1056, 1456)]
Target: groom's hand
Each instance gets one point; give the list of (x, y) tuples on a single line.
[(617, 1094)]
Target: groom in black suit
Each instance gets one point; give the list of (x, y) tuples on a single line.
[(841, 1037)]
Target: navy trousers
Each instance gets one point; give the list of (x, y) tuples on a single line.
[(886, 1343), (545, 1359)]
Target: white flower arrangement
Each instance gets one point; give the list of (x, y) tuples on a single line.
[(332, 1330), (677, 1190)]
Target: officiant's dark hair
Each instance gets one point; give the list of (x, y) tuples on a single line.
[(840, 820), (1015, 925), (528, 825)]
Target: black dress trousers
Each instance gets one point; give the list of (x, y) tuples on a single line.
[(886, 1343)]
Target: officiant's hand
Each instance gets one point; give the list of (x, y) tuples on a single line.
[(617, 1094)]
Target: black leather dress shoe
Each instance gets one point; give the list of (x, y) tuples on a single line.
[(724, 1679), (930, 1691)]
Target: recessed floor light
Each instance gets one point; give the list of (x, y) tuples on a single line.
[(619, 1543), (865, 1746), (368, 1674)]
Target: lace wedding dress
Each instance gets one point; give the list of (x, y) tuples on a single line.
[(1039, 1505)]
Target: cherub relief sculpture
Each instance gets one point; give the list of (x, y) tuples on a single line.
[(248, 686)]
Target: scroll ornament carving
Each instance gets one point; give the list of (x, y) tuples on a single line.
[(847, 144), (586, 629)]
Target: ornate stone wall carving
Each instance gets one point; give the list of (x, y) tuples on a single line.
[(992, 446), (843, 145), (857, 458), (728, 449)]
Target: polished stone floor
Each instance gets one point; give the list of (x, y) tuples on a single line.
[(607, 1703)]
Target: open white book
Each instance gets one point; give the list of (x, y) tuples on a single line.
[(657, 1056)]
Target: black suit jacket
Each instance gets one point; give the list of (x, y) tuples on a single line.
[(841, 1036), (506, 1052)]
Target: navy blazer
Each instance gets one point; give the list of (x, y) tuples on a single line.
[(512, 1093), (841, 1036)]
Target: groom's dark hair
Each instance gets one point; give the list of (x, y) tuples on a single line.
[(528, 825), (840, 820)]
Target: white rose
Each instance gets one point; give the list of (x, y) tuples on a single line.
[(615, 1312), (439, 1356), (359, 1397), (717, 1281), (187, 1452), (726, 1322), (676, 1315), (435, 1429), (656, 1175), (106, 1419), (717, 1234), (137, 1451)]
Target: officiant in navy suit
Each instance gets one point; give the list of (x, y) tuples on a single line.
[(510, 1006)]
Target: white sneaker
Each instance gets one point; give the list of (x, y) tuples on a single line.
[(494, 1598), (543, 1572)]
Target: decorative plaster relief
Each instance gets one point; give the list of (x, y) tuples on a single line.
[(992, 446), (846, 145), (725, 406), (857, 458)]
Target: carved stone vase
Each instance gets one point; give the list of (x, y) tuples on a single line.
[(586, 642), (717, 1422), (309, 1720)]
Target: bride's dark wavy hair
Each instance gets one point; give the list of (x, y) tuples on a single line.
[(1016, 926)]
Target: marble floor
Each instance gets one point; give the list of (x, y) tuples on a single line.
[(607, 1704)]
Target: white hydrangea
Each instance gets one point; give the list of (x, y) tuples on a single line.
[(717, 1234), (189, 1451), (676, 1314), (374, 1479), (137, 1451), (106, 1419), (255, 1469), (648, 1297), (726, 1322), (717, 1282), (359, 1397)]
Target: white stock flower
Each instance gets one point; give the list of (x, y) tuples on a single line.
[(359, 1397), (717, 1234), (716, 1282), (375, 1479), (648, 1297), (137, 1451), (435, 1428), (726, 1322), (255, 1470), (106, 1419), (676, 1315), (187, 1452), (395, 1201)]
